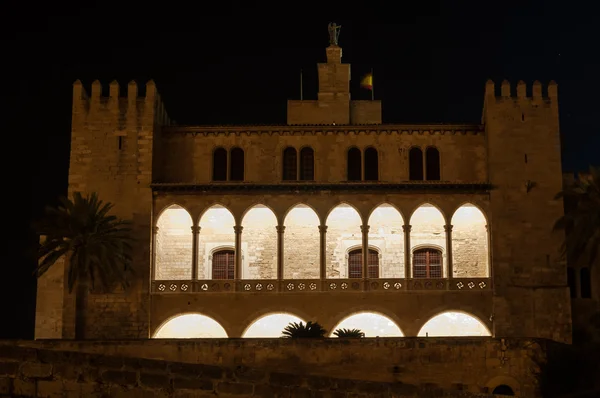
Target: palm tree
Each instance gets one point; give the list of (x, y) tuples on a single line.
[(96, 246), (581, 221), (311, 330), (349, 333)]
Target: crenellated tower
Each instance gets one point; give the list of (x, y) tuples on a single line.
[(524, 165), (113, 141)]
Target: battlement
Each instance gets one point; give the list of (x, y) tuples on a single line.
[(519, 91), (116, 103)]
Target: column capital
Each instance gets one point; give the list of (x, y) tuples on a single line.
[(322, 228), (487, 228), (238, 229), (280, 229), (196, 229), (155, 229), (448, 227), (406, 227), (364, 229)]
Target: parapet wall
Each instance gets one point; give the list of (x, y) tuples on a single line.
[(26, 372), (462, 365)]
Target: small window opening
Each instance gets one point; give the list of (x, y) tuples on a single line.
[(525, 158), (120, 142)]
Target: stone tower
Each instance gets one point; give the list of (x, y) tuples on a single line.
[(524, 165), (112, 142), (333, 104)]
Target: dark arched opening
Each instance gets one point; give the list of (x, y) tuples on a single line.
[(354, 164), (415, 164), (503, 389), (219, 165), (237, 165), (432, 162), (307, 164), (290, 164), (371, 164)]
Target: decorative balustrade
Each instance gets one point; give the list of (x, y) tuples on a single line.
[(316, 285)]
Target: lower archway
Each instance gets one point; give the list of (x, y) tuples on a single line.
[(371, 324), (270, 325), (453, 323), (505, 390), (190, 326)]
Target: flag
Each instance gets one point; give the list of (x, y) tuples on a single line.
[(367, 81)]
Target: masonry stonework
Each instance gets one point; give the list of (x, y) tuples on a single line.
[(490, 214)]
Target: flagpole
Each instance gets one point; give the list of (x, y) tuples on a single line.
[(301, 91), (372, 86)]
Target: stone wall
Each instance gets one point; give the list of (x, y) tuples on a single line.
[(343, 235), (260, 236), (470, 252), (216, 233), (301, 244), (387, 236), (188, 158), (372, 367)]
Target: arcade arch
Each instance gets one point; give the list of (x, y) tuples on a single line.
[(190, 326), (216, 238), (470, 256), (371, 323), (259, 243), (453, 324), (301, 246), (173, 244), (343, 231), (428, 242), (270, 325), (386, 234)]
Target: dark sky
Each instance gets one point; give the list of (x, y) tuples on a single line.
[(239, 64)]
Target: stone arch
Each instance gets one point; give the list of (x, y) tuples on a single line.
[(344, 223), (386, 232), (270, 324), (216, 230), (306, 158), (428, 230), (219, 172), (372, 323), (286, 212), (470, 242), (259, 243), (454, 323), (354, 163), (189, 326), (301, 243), (173, 244), (167, 207), (503, 380)]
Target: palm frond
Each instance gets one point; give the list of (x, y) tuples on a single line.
[(98, 244)]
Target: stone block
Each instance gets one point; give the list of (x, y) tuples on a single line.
[(36, 370), (242, 389), (121, 377), (50, 389), (155, 380), (9, 368), (192, 384), (25, 388)]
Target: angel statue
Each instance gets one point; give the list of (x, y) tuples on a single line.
[(334, 33)]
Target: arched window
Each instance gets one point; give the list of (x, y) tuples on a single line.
[(290, 164), (371, 164), (432, 164), (219, 165), (307, 164), (354, 164), (571, 282), (586, 282), (427, 263), (415, 164), (503, 389), (236, 172), (355, 264), (223, 264)]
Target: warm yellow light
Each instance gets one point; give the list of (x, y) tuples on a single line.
[(453, 324), (190, 326), (372, 324), (271, 325)]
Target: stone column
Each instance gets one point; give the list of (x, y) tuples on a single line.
[(280, 248), (365, 255), (195, 233), (153, 253), (448, 229), (407, 253), (238, 252), (323, 252), (489, 252)]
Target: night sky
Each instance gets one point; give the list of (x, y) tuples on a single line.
[(240, 64)]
